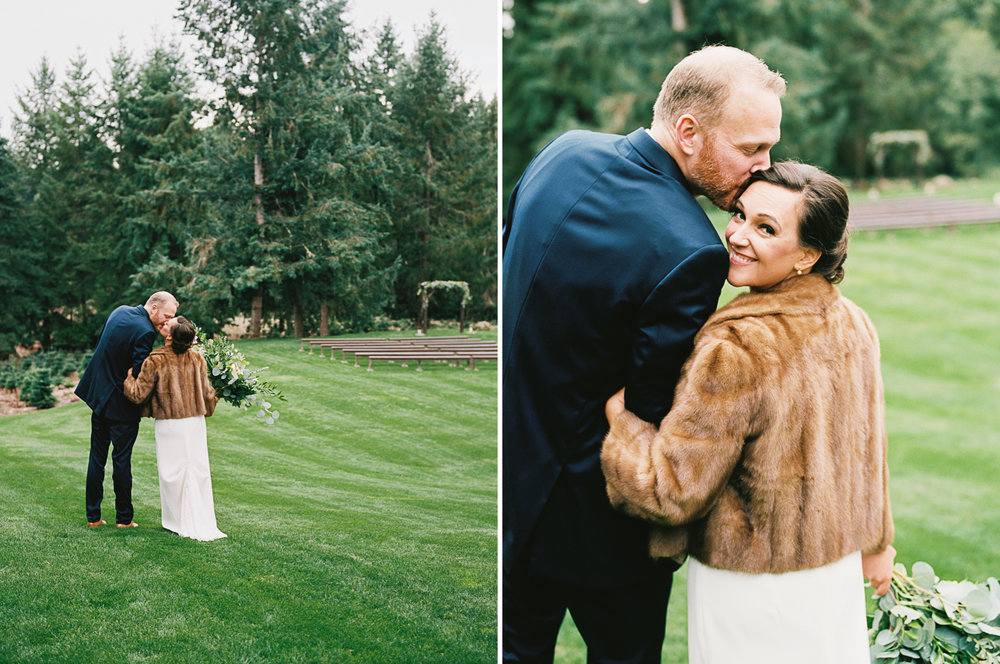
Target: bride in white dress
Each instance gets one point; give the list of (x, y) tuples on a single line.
[(173, 388), (770, 469)]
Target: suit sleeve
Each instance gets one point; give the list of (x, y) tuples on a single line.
[(140, 351), (674, 474), (668, 321)]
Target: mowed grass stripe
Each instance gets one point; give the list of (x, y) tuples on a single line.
[(362, 527)]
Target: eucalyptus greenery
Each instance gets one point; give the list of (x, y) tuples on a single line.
[(233, 380), (925, 619)]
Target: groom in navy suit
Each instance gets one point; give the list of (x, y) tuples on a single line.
[(126, 340), (610, 267)]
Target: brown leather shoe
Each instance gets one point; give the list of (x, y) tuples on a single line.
[(94, 524), (130, 524)]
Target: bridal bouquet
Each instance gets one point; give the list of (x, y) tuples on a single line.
[(925, 619), (234, 381)]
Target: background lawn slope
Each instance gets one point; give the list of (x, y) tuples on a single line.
[(362, 527)]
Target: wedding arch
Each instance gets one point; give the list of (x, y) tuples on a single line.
[(916, 140), (425, 291)]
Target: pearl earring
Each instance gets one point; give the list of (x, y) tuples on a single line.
[(799, 272)]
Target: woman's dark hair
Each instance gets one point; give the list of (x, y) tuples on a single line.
[(182, 335), (825, 210)]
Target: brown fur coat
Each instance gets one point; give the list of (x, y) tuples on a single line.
[(773, 455), (176, 385)]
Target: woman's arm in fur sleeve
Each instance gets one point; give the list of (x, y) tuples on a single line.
[(674, 474), (138, 389)]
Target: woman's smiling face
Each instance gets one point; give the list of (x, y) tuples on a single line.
[(763, 237)]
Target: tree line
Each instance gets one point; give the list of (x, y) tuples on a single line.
[(326, 175), (854, 68)]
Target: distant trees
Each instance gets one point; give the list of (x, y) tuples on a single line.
[(853, 68), (448, 158), (312, 195), (20, 261)]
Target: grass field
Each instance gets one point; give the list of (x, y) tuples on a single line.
[(932, 296), (362, 528)]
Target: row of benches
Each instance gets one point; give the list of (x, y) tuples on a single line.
[(921, 211), (451, 349)]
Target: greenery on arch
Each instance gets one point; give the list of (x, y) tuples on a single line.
[(426, 289)]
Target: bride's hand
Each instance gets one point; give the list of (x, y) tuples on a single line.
[(877, 568), (615, 406)]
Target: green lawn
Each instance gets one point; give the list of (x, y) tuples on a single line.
[(362, 528), (932, 296)]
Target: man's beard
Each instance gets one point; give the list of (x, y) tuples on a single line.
[(707, 179)]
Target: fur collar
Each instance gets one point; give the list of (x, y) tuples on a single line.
[(809, 294)]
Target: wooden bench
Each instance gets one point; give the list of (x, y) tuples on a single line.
[(419, 355), (337, 342), (920, 212), (487, 350), (355, 344), (354, 349), (452, 349)]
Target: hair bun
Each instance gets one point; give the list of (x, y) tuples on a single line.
[(182, 335), (179, 346)]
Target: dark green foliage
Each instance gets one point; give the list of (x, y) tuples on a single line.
[(288, 202), (36, 387), (84, 361), (444, 215), (37, 373), (853, 68), (58, 367), (151, 108), (11, 373), (72, 202), (289, 229), (20, 268)]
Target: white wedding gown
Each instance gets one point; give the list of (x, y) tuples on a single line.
[(814, 615), (186, 502)]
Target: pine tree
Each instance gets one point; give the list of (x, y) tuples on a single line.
[(445, 216), (150, 110), (20, 265), (68, 170), (36, 388), (34, 132), (301, 237)]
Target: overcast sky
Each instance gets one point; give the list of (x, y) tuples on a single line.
[(59, 29)]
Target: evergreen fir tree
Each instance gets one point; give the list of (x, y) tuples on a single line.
[(20, 261), (36, 387), (445, 216), (296, 233)]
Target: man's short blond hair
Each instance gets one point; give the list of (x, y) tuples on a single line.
[(702, 83), (161, 298)]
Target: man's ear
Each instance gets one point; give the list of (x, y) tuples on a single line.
[(687, 131)]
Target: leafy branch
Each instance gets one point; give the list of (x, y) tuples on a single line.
[(233, 380), (924, 619)]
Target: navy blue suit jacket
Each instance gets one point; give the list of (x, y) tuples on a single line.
[(610, 267), (126, 340)]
